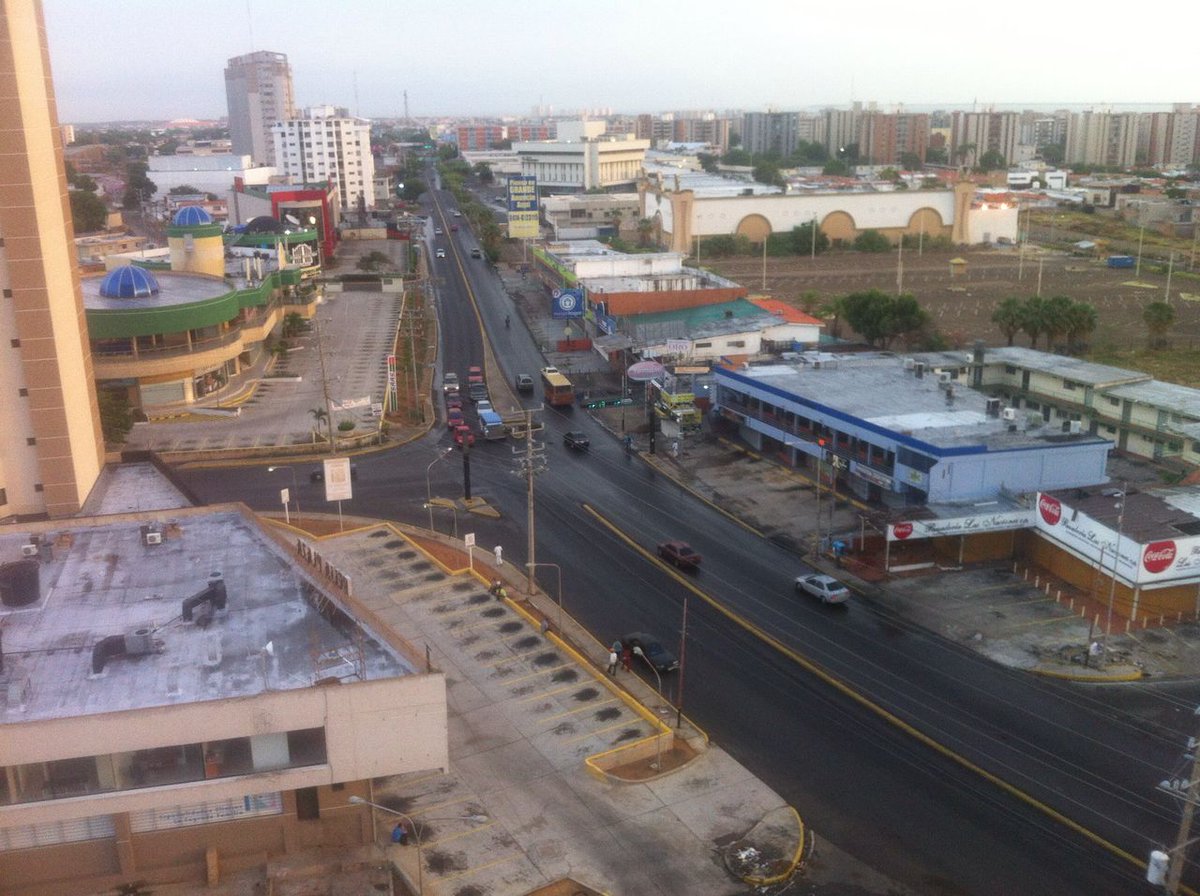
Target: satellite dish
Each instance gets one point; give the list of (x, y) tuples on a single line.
[(291, 219), (643, 371)]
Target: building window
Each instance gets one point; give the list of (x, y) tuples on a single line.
[(736, 343), (31, 441), (308, 805), (1115, 402), (23, 392), (38, 487), (8, 293), (16, 343), (1068, 385)]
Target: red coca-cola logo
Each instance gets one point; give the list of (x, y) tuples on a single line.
[(1158, 555), (902, 530), (1050, 509)]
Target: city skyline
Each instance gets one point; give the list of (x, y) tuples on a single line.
[(482, 60)]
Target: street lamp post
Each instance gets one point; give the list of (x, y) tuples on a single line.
[(429, 487), (473, 818), (658, 737), (295, 494), (557, 569), (441, 502)]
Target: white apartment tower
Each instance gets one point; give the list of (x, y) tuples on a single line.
[(258, 89), (326, 144)]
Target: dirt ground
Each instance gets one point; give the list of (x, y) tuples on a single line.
[(962, 306)]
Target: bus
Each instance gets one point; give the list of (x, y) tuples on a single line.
[(557, 390), (491, 426)]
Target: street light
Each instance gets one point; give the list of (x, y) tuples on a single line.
[(637, 650), (473, 818), (429, 487), (445, 504), (557, 569), (295, 492)]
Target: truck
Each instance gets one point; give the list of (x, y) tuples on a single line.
[(1120, 261), (491, 426)]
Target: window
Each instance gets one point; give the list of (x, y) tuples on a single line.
[(16, 343), (1008, 368), (308, 805), (1115, 402), (703, 345), (1111, 430), (8, 293), (23, 392), (31, 441), (736, 343), (1033, 406)]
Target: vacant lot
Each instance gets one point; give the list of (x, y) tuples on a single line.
[(961, 304)]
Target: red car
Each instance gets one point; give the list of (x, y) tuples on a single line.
[(453, 401), (680, 554), (474, 375), (463, 434), (454, 418)]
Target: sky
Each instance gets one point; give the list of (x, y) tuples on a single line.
[(154, 60)]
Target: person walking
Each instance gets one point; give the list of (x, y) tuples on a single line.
[(627, 658), (612, 662)]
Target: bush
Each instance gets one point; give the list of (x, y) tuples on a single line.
[(872, 241), (345, 425)]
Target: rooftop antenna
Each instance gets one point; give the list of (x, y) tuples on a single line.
[(407, 118), (250, 25), (357, 110)]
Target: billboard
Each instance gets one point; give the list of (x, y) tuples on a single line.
[(566, 303), (523, 207), (337, 479)]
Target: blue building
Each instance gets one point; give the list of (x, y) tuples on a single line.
[(894, 431)]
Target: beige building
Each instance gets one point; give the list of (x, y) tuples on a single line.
[(258, 88), (217, 698), (583, 158), (51, 448)]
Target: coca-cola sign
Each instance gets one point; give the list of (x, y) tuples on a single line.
[(902, 530), (1050, 509), (1158, 556)]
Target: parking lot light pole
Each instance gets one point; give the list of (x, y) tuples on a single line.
[(416, 830), (658, 737), (429, 486)]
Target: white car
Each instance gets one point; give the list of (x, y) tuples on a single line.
[(825, 588), (482, 405), (441, 253)]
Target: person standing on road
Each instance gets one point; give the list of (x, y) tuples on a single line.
[(627, 658), (612, 662)]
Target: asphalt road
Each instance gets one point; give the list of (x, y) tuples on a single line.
[(865, 785)]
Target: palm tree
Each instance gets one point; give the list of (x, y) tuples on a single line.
[(320, 415), (645, 229), (1058, 311), (1009, 317), (834, 310), (1081, 320), (1158, 318), (1033, 319)]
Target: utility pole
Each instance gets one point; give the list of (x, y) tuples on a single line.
[(1189, 792), (532, 460), (325, 387)]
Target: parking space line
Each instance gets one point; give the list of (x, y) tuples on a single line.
[(591, 707), (596, 732), (475, 869)]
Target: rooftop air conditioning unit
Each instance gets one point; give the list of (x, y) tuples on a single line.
[(909, 363), (1075, 427), (29, 550), (153, 538), (944, 378), (1009, 414)]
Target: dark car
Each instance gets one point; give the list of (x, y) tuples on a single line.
[(476, 253), (660, 658), (577, 441), (524, 382), (680, 554)]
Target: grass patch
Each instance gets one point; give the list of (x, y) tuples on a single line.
[(1180, 366)]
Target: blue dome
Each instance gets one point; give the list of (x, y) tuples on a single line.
[(128, 282), (191, 216)]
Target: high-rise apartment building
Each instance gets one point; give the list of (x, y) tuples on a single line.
[(777, 133), (51, 448), (1102, 138), (258, 90), (326, 144), (1169, 139), (996, 132)]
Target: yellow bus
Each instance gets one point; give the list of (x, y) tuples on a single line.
[(557, 390)]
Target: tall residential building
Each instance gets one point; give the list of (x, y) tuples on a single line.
[(884, 138), (1169, 139), (51, 448), (326, 144), (998, 132), (777, 133), (1102, 138), (258, 90)]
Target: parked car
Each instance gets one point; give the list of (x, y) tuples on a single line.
[(483, 405), (437, 231), (456, 213), (450, 382), (477, 392), (577, 441), (463, 434), (825, 588), (680, 554), (441, 253), (660, 658), (476, 253), (524, 382)]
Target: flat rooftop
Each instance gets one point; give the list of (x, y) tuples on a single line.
[(98, 577), (879, 389)]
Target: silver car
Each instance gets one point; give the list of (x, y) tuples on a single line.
[(825, 588)]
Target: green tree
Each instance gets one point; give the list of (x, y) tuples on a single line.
[(138, 187), (183, 190), (374, 261), (834, 311), (321, 416), (872, 241), (910, 161), (889, 173), (645, 231), (1009, 317), (768, 173), (708, 161), (1081, 321), (88, 211), (802, 239), (736, 157), (964, 151), (413, 188), (836, 168), (1034, 319), (992, 160), (483, 171), (1053, 153), (1057, 320), (935, 155), (1158, 318), (879, 318), (116, 419), (810, 301)]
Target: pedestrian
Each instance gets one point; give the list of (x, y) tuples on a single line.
[(627, 658), (400, 834), (675, 449), (612, 662)]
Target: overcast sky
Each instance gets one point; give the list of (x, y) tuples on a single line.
[(158, 60)]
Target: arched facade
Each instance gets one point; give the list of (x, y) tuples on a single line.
[(839, 226), (755, 228), (927, 221)]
